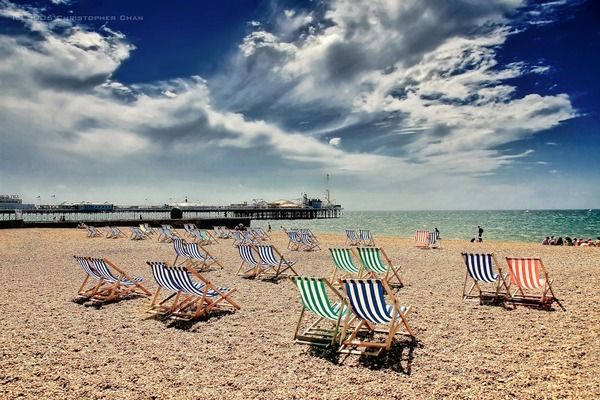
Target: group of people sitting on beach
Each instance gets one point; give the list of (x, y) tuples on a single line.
[(567, 241)]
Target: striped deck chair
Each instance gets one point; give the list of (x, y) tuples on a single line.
[(422, 239), (222, 232), (200, 258), (486, 284), (434, 241), (206, 236), (325, 329), (533, 285), (294, 240), (366, 237), (343, 263), (262, 233), (352, 239), (375, 262), (93, 232), (366, 298), (191, 298), (120, 284), (248, 260), (99, 285), (136, 233), (114, 233), (308, 241), (180, 248), (239, 238), (147, 229), (272, 262)]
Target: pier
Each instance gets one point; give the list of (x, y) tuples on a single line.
[(122, 216)]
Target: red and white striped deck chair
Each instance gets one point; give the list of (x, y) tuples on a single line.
[(422, 239), (533, 285)]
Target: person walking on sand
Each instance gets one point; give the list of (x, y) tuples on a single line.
[(479, 234)]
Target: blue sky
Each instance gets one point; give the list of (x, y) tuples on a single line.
[(407, 104)]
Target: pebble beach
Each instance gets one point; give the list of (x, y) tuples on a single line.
[(55, 347)]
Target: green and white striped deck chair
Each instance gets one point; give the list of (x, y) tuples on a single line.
[(377, 264), (325, 330), (343, 264)]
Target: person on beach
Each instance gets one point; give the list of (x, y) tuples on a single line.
[(546, 241), (269, 228), (479, 234), (568, 241)]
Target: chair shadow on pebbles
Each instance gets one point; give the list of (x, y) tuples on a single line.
[(398, 358), (188, 325), (330, 354), (100, 304)]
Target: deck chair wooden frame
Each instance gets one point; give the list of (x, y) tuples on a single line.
[(530, 283), (485, 283), (272, 263), (246, 253), (374, 265), (324, 329), (100, 288), (366, 298)]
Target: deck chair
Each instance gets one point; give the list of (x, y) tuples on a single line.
[(119, 284), (272, 262), (93, 232), (203, 237), (147, 229), (352, 239), (422, 239), (136, 233), (114, 233), (366, 237), (179, 246), (294, 241), (485, 283), (248, 261), (434, 242), (325, 329), (200, 258), (308, 241), (343, 264), (99, 287), (375, 262), (374, 315), (533, 286), (192, 298)]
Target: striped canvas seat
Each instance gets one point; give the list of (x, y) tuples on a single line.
[(136, 233), (91, 274), (308, 241), (533, 285), (422, 239), (325, 330), (114, 285), (434, 239), (375, 262), (352, 238), (294, 240), (272, 262), (343, 263), (485, 282), (247, 255), (193, 298), (366, 237), (367, 300), (179, 246)]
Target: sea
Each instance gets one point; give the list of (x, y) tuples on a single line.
[(504, 225)]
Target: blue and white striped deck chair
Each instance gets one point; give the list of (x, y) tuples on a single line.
[(352, 238), (239, 238), (200, 258), (485, 282), (366, 237), (179, 246), (272, 262), (325, 329), (121, 284), (294, 241), (367, 300), (376, 263), (147, 229), (435, 241), (192, 299), (114, 233), (247, 255), (308, 241), (93, 232), (90, 273)]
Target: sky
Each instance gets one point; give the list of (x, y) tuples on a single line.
[(406, 104)]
